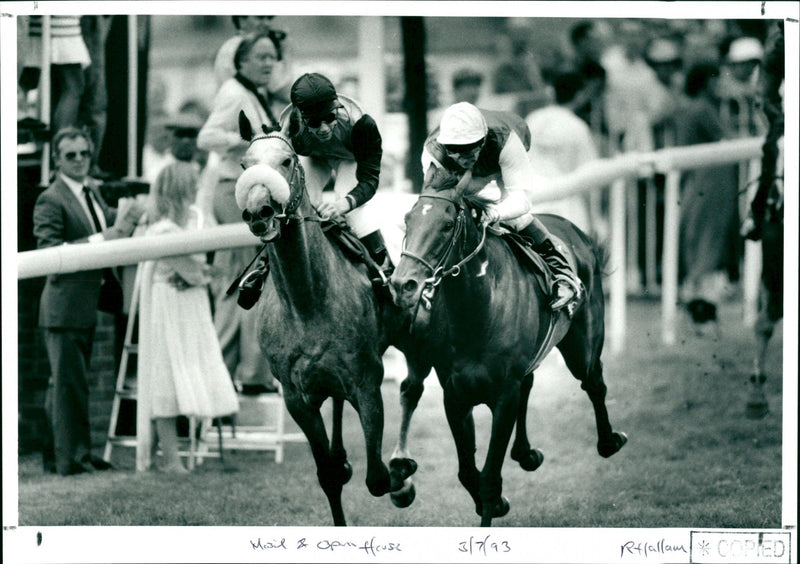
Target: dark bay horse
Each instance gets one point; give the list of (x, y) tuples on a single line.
[(322, 327), (496, 324)]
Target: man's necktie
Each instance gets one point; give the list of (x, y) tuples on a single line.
[(108, 273), (96, 220)]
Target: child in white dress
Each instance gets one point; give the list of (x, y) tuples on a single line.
[(181, 370)]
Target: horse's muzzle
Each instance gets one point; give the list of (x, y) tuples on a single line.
[(405, 291), (263, 223)]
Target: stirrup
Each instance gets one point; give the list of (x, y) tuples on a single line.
[(570, 302)]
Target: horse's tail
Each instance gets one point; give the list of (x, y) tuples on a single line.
[(601, 256)]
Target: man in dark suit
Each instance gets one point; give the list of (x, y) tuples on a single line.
[(72, 211)]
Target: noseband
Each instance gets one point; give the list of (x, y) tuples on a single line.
[(297, 175), (439, 272)]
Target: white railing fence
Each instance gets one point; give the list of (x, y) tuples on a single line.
[(619, 172)]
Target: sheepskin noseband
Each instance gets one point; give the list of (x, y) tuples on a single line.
[(274, 184)]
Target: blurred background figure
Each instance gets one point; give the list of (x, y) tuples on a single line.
[(709, 200), (254, 60), (68, 59), (94, 101), (560, 143), (663, 55), (738, 88), (467, 84), (517, 75), (588, 104)]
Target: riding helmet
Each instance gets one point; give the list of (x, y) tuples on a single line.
[(462, 124), (314, 95)]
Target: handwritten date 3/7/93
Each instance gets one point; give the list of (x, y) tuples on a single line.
[(483, 546)]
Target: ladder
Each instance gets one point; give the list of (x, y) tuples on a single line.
[(122, 431), (263, 417)]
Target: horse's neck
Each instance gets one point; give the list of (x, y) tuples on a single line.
[(301, 265), (469, 294)]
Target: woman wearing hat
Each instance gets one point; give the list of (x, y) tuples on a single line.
[(485, 146), (334, 137), (254, 60)]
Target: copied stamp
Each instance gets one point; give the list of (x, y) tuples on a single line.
[(710, 547)]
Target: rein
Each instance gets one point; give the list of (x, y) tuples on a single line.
[(439, 272)]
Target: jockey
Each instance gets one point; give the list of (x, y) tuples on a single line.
[(485, 145), (335, 138)]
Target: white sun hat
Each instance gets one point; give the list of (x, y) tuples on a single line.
[(745, 49), (462, 124)]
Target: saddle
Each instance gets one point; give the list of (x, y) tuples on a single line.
[(522, 247), (340, 234)]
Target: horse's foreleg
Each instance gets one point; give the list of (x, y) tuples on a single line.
[(370, 412), (401, 465), (504, 415), (462, 427), (528, 458), (338, 452), (331, 475)]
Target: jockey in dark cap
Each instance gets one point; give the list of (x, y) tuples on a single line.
[(334, 137)]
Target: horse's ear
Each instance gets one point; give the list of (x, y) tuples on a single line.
[(429, 175), (463, 183), (245, 129)]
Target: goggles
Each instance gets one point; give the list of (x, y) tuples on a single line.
[(461, 150), (316, 121)]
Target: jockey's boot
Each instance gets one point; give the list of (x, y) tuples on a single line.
[(376, 247), (567, 287)]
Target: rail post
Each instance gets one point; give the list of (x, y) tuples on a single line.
[(669, 260)]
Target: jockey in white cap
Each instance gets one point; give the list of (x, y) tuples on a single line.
[(487, 145)]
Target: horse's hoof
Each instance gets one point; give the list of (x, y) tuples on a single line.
[(606, 449), (499, 510), (757, 408), (400, 469), (502, 508), (405, 496), (530, 460)]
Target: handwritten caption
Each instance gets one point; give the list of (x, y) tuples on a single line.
[(374, 546), (646, 549), (371, 546)]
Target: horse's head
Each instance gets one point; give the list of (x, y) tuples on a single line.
[(271, 186), (437, 233)]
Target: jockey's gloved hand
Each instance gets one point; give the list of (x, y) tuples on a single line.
[(491, 215), (335, 209)]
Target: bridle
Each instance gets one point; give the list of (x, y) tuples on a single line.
[(441, 271), (297, 175)]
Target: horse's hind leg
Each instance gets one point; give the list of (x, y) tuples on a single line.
[(581, 348), (528, 458), (332, 474)]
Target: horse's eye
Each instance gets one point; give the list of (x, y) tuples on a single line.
[(287, 162), (448, 226), (247, 216)]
